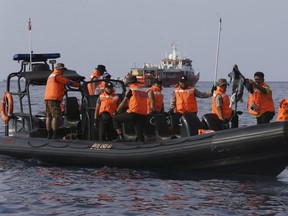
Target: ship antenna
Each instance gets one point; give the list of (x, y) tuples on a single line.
[(217, 52), (30, 42)]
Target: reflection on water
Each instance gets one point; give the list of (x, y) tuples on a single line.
[(32, 189)]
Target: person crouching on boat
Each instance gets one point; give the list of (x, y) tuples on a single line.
[(184, 98), (105, 107), (54, 94), (221, 102), (96, 74), (260, 101), (155, 98), (136, 97)]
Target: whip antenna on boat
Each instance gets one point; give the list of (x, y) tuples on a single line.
[(217, 52), (30, 42)]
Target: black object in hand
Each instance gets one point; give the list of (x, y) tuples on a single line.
[(95, 122), (213, 89)]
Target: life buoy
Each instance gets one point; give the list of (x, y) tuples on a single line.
[(6, 106)]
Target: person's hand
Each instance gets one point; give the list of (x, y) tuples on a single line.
[(213, 89), (153, 112), (248, 85), (95, 122), (225, 121)]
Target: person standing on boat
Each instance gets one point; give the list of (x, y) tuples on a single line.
[(96, 74), (136, 97), (105, 107), (260, 101), (184, 98), (54, 94), (155, 97), (221, 102)]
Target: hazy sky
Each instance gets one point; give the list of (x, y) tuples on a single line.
[(125, 33)]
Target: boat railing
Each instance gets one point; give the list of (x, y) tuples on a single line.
[(37, 75), (89, 104)]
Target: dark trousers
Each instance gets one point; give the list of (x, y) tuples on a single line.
[(265, 118), (106, 130), (137, 120)]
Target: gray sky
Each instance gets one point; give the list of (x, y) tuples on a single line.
[(125, 33)]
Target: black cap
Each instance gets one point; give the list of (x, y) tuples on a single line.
[(101, 68), (183, 79), (259, 74), (109, 85)]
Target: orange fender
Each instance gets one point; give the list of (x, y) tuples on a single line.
[(6, 106)]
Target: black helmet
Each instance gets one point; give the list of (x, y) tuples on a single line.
[(157, 81)]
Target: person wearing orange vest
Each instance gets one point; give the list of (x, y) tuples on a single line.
[(54, 94), (136, 97), (260, 101), (184, 97), (100, 86), (106, 105), (155, 97), (96, 74), (283, 110), (221, 102)]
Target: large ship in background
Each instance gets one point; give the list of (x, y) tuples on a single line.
[(169, 71)]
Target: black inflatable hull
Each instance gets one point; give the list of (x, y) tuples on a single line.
[(255, 150)]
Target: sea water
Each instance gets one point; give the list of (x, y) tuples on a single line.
[(29, 187)]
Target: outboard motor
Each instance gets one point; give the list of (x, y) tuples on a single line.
[(190, 124), (210, 121), (175, 124), (149, 128)]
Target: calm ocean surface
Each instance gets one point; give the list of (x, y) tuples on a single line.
[(31, 188)]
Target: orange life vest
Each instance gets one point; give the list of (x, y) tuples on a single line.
[(250, 103), (226, 109), (95, 74), (264, 102), (55, 86), (99, 88), (283, 110), (185, 100), (138, 101), (158, 99), (108, 103)]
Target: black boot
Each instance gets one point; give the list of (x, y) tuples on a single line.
[(120, 138), (49, 134), (56, 135)]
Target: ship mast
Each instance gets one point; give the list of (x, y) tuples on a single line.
[(174, 51)]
